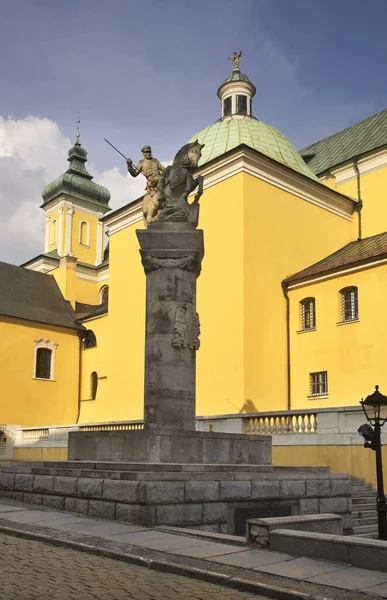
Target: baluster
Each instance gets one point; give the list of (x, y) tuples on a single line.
[(308, 423), (303, 423), (296, 423)]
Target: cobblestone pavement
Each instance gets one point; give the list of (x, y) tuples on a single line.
[(31, 569)]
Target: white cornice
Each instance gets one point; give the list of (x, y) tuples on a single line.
[(313, 279), (43, 264), (68, 203), (124, 218), (246, 160), (92, 275), (372, 162)]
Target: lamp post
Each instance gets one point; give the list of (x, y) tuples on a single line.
[(375, 410)]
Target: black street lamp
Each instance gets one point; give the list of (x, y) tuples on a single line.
[(375, 409)]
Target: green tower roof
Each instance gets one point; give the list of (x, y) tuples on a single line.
[(237, 76), (228, 133), (77, 182)]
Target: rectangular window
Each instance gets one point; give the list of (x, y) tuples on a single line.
[(227, 107), (349, 304), (308, 314), (319, 383), (241, 105), (43, 363)]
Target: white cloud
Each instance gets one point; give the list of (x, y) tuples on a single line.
[(33, 153)]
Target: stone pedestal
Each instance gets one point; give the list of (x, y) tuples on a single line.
[(171, 255)]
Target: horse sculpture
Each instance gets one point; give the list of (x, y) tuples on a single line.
[(178, 184)]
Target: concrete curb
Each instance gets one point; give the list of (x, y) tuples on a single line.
[(165, 566)]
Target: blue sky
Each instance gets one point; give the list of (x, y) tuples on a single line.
[(147, 72)]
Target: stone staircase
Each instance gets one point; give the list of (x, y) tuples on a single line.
[(365, 522)]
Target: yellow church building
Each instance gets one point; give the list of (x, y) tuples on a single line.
[(293, 281)]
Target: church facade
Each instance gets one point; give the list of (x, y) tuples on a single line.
[(293, 277)]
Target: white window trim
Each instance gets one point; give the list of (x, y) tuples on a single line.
[(53, 227), (50, 345), (101, 291), (87, 245)]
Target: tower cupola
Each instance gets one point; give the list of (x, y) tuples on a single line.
[(236, 93)]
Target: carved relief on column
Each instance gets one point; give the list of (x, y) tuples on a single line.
[(187, 328), (188, 262)]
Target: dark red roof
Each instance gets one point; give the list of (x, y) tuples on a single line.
[(354, 253)]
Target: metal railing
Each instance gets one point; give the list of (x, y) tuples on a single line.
[(289, 421)]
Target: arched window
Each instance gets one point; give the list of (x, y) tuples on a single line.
[(53, 232), (93, 385), (90, 340), (349, 304), (104, 295), (44, 359), (308, 313), (84, 233), (241, 105), (227, 106)]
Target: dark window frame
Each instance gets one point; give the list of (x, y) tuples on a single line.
[(318, 384), (93, 385), (43, 363), (227, 106), (241, 104), (349, 304), (308, 314)]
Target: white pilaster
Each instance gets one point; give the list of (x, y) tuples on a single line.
[(99, 251), (60, 231), (47, 234), (69, 230)]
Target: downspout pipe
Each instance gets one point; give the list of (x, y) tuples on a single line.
[(81, 336), (359, 200), (288, 373)]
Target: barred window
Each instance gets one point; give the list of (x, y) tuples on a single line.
[(227, 106), (93, 385), (241, 105), (308, 313), (349, 304), (43, 363), (318, 383)]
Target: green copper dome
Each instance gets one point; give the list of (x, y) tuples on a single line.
[(77, 182), (228, 133), (237, 76)]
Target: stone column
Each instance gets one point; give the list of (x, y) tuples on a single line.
[(171, 255)]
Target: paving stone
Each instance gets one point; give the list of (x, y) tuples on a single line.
[(54, 501), (265, 489), (316, 488), (102, 509), (201, 491), (251, 559), (308, 506), (90, 487), (207, 550), (301, 568), (235, 490), (24, 483), (161, 492), (78, 505), (351, 578), (7, 481), (292, 489), (121, 491), (7, 508), (214, 512), (44, 484), (179, 514), (333, 505), (341, 488), (66, 486)]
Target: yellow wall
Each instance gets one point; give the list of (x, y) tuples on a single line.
[(353, 354), (97, 359), (83, 253), (54, 216), (279, 239), (40, 454), (355, 460), (374, 211), (29, 401)]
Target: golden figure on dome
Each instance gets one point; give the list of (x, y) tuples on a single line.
[(235, 60)]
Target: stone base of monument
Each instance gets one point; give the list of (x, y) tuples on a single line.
[(212, 497), (174, 446)]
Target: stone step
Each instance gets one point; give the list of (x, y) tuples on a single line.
[(358, 489), (358, 480), (364, 514), (365, 521), (363, 500), (370, 536), (364, 494), (364, 529)]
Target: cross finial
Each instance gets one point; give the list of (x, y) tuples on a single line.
[(78, 134)]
